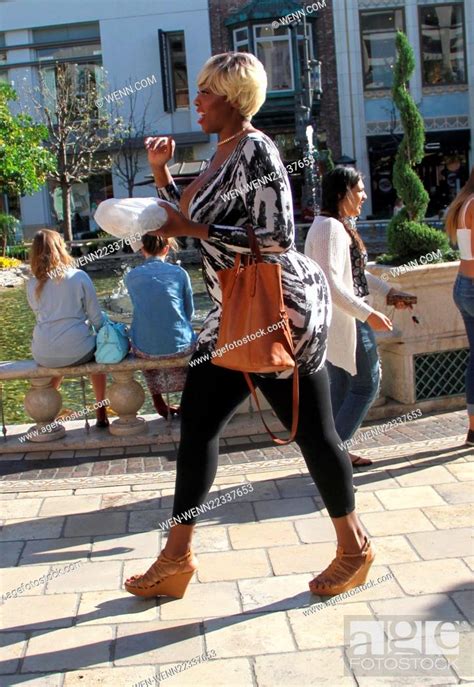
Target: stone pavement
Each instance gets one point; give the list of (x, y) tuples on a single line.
[(257, 552)]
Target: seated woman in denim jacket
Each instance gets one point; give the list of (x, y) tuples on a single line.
[(163, 306)]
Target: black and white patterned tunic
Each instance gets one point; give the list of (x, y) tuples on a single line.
[(252, 186)]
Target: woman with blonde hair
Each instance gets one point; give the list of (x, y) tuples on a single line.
[(459, 224), (232, 88), (65, 305)]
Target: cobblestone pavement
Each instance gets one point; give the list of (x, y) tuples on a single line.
[(137, 459), (69, 540)]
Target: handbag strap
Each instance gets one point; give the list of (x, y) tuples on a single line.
[(253, 244), (295, 408)]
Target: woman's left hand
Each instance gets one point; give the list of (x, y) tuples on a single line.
[(179, 225), (400, 303), (176, 225)]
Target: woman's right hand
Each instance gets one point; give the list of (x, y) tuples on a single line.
[(379, 322), (160, 150)]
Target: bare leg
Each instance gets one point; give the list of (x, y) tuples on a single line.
[(349, 532), (98, 384), (179, 541), (161, 406)]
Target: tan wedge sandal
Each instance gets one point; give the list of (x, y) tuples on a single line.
[(346, 571), (166, 577)]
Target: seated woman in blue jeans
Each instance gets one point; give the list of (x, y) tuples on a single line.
[(460, 227), (163, 307), (353, 362)]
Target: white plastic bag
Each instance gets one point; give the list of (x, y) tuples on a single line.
[(130, 218)]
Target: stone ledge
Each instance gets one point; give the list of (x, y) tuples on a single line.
[(28, 369), (160, 431)]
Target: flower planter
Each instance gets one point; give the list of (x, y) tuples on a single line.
[(411, 371)]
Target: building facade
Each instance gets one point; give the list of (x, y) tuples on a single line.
[(146, 56), (274, 31), (442, 36)]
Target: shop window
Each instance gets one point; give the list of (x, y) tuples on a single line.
[(273, 48), (3, 59), (174, 71), (442, 44), (378, 31), (77, 46), (241, 40), (184, 154), (3, 52), (83, 78), (85, 198), (71, 42)]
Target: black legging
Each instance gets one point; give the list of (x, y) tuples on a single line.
[(210, 397)]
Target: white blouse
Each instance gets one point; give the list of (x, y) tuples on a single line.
[(328, 243)]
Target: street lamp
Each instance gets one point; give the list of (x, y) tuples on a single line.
[(309, 77)]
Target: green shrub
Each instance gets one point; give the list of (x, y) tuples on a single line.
[(407, 235), (7, 231), (409, 240), (20, 252)]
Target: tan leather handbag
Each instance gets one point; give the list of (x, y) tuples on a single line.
[(254, 332)]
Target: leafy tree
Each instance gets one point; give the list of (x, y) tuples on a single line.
[(79, 132), (129, 135), (7, 231), (326, 158), (408, 237), (24, 160)]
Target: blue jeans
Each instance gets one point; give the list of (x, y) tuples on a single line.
[(463, 295), (351, 396)]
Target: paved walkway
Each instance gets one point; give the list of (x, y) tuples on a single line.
[(249, 610)]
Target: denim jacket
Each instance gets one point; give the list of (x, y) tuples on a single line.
[(163, 306)]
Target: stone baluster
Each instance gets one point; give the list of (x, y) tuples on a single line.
[(43, 403), (126, 398)]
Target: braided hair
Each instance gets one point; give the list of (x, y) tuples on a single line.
[(336, 185)]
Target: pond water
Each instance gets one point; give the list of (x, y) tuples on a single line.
[(16, 328)]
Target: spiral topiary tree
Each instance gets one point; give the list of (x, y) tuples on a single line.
[(408, 237)]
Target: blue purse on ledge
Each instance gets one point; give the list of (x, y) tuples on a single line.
[(112, 342)]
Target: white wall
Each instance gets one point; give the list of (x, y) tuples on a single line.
[(351, 90), (130, 52), (469, 21)]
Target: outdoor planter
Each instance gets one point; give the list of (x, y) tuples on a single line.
[(426, 360)]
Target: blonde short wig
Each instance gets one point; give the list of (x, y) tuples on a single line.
[(240, 76)]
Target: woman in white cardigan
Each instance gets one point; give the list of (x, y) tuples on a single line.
[(353, 361)]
